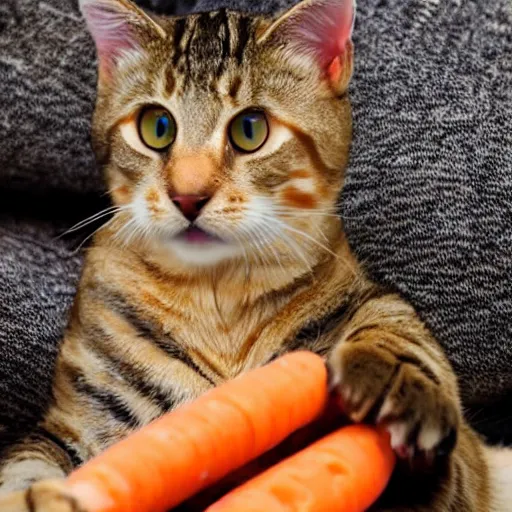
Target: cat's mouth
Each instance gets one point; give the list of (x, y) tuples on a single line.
[(199, 247), (196, 235)]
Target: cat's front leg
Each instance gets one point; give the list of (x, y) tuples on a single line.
[(388, 370)]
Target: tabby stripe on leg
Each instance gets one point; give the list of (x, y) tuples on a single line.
[(73, 455), (373, 293), (38, 445), (147, 329), (407, 359), (108, 401), (321, 326), (314, 334), (400, 353), (132, 375)]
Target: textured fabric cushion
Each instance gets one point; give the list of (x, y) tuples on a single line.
[(427, 204), (38, 276), (48, 79)]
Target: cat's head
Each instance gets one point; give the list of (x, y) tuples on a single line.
[(224, 136)]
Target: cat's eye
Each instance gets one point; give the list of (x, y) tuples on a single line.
[(157, 128), (249, 131)]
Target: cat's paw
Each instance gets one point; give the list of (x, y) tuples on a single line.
[(376, 386), (44, 496)]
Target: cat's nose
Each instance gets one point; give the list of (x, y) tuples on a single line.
[(190, 206)]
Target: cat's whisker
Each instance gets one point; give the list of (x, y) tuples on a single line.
[(299, 232), (287, 240), (240, 242), (299, 211), (134, 234), (87, 238), (286, 226), (315, 213), (106, 211), (300, 214), (292, 244), (264, 237), (120, 234), (93, 218), (246, 259), (111, 190), (146, 232), (264, 247), (254, 241), (270, 219), (330, 211), (260, 241)]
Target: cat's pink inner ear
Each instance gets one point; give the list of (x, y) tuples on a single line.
[(323, 27), (111, 25), (318, 28)]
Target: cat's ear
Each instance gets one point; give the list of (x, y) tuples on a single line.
[(318, 32), (118, 28)]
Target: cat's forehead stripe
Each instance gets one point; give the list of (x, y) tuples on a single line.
[(204, 45), (169, 82), (179, 28)]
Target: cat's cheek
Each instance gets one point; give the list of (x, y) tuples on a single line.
[(302, 191), (121, 189)]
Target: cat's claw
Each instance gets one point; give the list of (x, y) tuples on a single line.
[(374, 386)]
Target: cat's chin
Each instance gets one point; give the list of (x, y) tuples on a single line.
[(206, 253)]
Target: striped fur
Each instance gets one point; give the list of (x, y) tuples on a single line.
[(158, 321)]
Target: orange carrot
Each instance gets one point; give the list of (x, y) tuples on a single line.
[(344, 472), (199, 443)]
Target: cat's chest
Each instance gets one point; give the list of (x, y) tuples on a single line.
[(223, 328)]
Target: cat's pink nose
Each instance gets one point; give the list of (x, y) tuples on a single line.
[(190, 206)]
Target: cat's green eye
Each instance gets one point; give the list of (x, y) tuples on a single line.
[(157, 128), (249, 131)]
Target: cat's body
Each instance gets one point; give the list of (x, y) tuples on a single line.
[(224, 138)]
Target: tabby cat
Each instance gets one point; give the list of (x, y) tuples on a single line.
[(224, 137)]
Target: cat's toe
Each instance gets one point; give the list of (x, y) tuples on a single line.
[(360, 375), (420, 449), (44, 496), (375, 386), (421, 419), (52, 496)]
